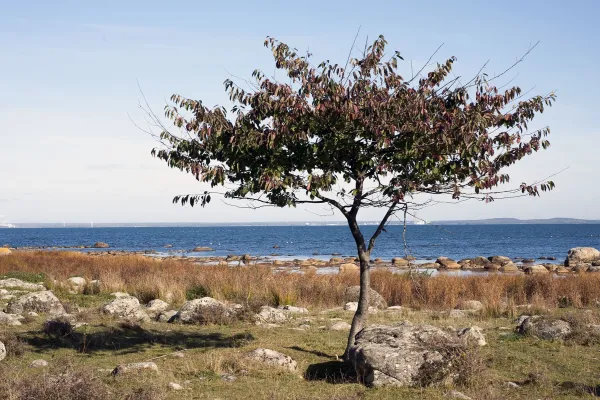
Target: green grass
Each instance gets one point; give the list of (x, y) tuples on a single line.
[(542, 369)]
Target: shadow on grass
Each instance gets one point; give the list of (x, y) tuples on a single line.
[(580, 389), (127, 340), (336, 372), (315, 352)]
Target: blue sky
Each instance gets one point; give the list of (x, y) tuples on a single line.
[(69, 90)]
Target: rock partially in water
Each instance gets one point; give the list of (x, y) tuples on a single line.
[(582, 255), (101, 245)]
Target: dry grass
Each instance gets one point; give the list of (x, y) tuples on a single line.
[(176, 281)]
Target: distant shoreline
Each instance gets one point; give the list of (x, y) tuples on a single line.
[(489, 221)]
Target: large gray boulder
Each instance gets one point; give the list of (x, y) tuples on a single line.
[(547, 328), (204, 311), (127, 307), (39, 302), (406, 355), (13, 283), (375, 299), (272, 358), (582, 255)]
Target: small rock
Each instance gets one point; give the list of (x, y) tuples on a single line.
[(340, 326), (399, 262), (536, 269), (166, 316), (175, 386), (273, 358), (473, 334), (199, 249), (32, 314), (455, 394), (293, 309), (155, 307), (351, 306), (511, 385), (228, 378), (270, 315), (2, 351), (101, 245), (141, 366), (38, 364), (12, 283)]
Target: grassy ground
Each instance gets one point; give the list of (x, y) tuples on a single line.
[(542, 369), (82, 361)]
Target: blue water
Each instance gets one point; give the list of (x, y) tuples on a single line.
[(425, 242)]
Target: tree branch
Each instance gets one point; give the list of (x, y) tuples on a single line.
[(381, 226)]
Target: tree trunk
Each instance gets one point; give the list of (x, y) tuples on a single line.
[(360, 317)]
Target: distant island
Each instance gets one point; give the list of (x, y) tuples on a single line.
[(488, 221)]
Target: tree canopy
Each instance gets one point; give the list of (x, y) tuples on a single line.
[(361, 123)]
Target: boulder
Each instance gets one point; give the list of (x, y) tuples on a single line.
[(470, 305), (120, 294), (493, 267), (399, 262), (336, 260), (40, 302), (270, 315), (156, 306), (535, 269), (2, 351), (135, 367), (203, 311), (293, 309), (582, 255), (126, 307), (101, 245), (273, 358), (10, 319), (479, 261), (166, 316), (340, 326), (406, 355), (473, 334), (501, 260), (543, 327), (509, 267), (375, 299), (447, 263), (12, 283), (4, 251), (353, 306), (348, 267)]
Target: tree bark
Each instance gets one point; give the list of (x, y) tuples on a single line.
[(360, 317)]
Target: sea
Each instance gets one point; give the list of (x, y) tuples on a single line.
[(424, 242)]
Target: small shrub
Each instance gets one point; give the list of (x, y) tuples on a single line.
[(196, 292), (15, 346), (66, 385), (58, 327)]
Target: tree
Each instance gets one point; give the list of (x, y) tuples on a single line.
[(354, 137)]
